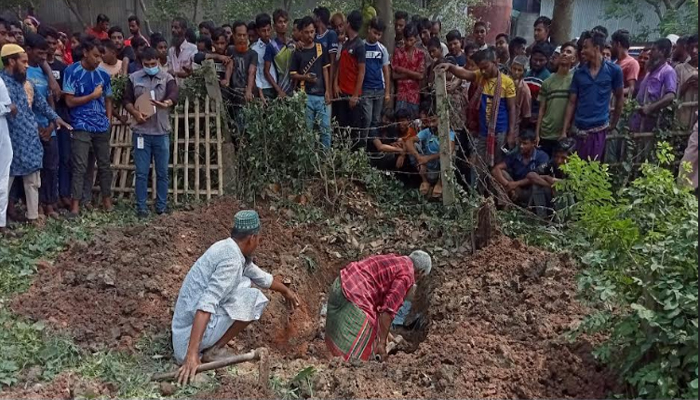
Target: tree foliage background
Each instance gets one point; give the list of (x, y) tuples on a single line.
[(675, 16)]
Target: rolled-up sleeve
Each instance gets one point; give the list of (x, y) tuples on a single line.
[(171, 91), (219, 285), (395, 295), (259, 277)]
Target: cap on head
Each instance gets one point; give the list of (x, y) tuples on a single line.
[(246, 222), (673, 38), (421, 261), (10, 50)]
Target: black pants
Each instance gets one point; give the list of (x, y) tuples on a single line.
[(81, 144), (350, 118)]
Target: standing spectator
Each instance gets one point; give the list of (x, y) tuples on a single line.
[(408, 67), (479, 33), (680, 52), (228, 31), (265, 80), (138, 44), (376, 88), (6, 109), (607, 52), (222, 62), (278, 54), (553, 99), (181, 53), (204, 46), (539, 57), (36, 48), (110, 62), (125, 54), (523, 96), (454, 45), (542, 30), (400, 21), (327, 37), (135, 29), (252, 33), (151, 136), (589, 99), (690, 156), (516, 47), (496, 117), (349, 80), (5, 34), (27, 151), (658, 89), (629, 66), (435, 32), (62, 135), (161, 45), (17, 32), (642, 59), (245, 62), (338, 25), (311, 68), (424, 26), (206, 28), (100, 29), (688, 84), (88, 91), (502, 51)]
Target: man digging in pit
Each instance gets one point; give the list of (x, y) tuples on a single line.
[(364, 299), (216, 301)]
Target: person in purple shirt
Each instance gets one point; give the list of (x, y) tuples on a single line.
[(657, 90), (589, 99)]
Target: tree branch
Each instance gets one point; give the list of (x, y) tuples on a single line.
[(679, 4), (75, 12), (146, 21), (657, 8)]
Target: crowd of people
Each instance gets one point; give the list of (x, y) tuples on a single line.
[(517, 109)]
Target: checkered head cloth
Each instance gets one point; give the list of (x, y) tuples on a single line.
[(246, 221)]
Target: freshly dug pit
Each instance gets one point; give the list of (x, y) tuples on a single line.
[(495, 319)]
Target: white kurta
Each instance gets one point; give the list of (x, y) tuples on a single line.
[(220, 283), (5, 152)]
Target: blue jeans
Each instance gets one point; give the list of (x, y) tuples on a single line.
[(157, 148), (318, 111)]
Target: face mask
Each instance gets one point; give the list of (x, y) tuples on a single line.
[(151, 71)]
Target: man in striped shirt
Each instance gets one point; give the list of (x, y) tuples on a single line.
[(365, 298)]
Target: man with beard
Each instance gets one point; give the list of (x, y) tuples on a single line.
[(217, 300), (657, 90), (125, 53), (688, 84), (182, 52), (589, 99), (502, 52), (642, 59), (24, 135)]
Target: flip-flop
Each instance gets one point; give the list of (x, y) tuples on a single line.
[(424, 188)]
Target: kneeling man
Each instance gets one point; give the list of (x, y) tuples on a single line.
[(363, 301), (216, 301)]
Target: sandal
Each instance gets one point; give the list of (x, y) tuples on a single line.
[(437, 191)]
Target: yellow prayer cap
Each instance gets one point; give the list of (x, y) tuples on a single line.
[(10, 49)]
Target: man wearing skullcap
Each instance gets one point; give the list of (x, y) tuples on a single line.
[(216, 301), (364, 299), (27, 151)]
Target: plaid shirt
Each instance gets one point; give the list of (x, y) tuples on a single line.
[(378, 284)]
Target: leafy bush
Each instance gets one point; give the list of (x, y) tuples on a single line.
[(640, 249)]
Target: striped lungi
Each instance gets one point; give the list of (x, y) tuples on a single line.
[(349, 332)]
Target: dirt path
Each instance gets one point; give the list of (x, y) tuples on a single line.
[(497, 317)]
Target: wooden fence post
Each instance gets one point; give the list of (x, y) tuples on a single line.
[(446, 156)]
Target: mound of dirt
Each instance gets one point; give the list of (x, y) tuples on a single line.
[(495, 330), (124, 283)]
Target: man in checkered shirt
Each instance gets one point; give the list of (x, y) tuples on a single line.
[(364, 300)]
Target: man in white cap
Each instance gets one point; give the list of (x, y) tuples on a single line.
[(216, 301), (364, 300), (27, 151)]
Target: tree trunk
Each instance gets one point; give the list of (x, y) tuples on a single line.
[(385, 11), (146, 21), (75, 12), (562, 22)]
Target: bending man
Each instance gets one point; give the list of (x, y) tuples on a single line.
[(363, 301), (216, 301)]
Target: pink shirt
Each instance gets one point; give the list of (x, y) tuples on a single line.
[(630, 69)]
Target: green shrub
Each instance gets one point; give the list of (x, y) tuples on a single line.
[(640, 251)]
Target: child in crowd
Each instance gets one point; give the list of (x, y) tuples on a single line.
[(523, 97), (425, 149), (110, 62)]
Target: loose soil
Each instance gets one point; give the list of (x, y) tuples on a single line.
[(496, 318)]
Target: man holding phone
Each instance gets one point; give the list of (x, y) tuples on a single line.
[(152, 129)]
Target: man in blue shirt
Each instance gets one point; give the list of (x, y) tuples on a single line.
[(327, 37), (88, 92), (36, 47), (519, 177), (589, 99), (376, 87), (425, 149)]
